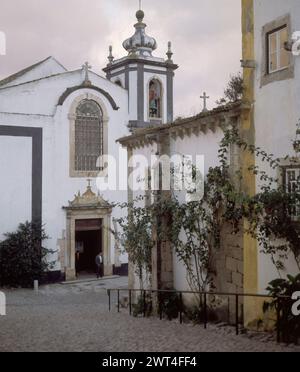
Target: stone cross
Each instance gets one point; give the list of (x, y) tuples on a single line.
[(89, 183), (205, 98), (140, 4), (86, 68)]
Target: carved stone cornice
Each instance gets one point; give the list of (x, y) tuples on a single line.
[(88, 200), (203, 123)]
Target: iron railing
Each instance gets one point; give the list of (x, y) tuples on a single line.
[(281, 304)]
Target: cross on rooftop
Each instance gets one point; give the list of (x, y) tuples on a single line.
[(86, 67), (205, 97)]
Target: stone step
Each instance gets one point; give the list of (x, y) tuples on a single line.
[(89, 280)]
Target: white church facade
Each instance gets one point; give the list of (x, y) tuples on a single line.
[(56, 126)]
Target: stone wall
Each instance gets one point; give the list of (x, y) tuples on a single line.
[(229, 273)]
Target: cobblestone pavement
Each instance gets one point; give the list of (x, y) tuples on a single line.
[(76, 318)]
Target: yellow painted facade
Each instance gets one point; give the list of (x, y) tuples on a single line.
[(252, 306)]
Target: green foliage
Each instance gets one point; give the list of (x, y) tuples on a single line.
[(271, 212), (137, 240), (196, 314), (169, 304), (234, 90), (289, 325), (194, 228), (296, 142), (22, 256), (143, 306), (195, 235), (284, 287)]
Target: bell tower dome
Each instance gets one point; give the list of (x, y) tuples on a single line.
[(148, 79)]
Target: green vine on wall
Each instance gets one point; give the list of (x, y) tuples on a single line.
[(195, 228)]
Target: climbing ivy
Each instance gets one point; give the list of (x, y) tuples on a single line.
[(195, 227), (136, 239)]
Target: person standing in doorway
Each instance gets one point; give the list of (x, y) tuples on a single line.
[(99, 264)]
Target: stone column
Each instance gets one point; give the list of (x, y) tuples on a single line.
[(106, 246), (162, 253), (70, 261)]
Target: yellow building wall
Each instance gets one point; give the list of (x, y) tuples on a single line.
[(252, 306)]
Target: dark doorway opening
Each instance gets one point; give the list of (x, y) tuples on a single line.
[(88, 245)]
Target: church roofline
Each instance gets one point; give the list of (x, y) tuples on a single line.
[(144, 61), (22, 72), (201, 122), (56, 75), (40, 79)]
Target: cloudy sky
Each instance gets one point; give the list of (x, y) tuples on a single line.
[(206, 36)]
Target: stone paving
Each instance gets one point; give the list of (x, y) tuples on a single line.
[(76, 318)]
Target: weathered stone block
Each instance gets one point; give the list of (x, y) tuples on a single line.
[(231, 264), (241, 267), (232, 288), (237, 253), (167, 277), (237, 279), (229, 277)]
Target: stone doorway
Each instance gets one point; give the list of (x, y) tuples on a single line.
[(88, 222), (88, 243)]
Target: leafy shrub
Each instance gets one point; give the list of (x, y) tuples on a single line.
[(196, 314), (143, 306), (169, 304), (233, 91), (22, 256), (289, 325)]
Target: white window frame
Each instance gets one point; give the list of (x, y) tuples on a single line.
[(278, 50)]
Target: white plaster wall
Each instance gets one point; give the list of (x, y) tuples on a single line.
[(277, 107), (15, 183), (143, 156), (120, 77), (41, 97), (204, 144), (144, 160)]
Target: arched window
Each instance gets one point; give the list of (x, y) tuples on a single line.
[(88, 136), (155, 99)]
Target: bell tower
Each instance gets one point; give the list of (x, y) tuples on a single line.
[(148, 79)]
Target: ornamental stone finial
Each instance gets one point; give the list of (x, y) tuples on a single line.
[(110, 55), (169, 52)]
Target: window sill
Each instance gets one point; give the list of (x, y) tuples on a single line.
[(86, 174), (279, 75)]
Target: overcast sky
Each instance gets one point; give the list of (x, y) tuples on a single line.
[(206, 37)]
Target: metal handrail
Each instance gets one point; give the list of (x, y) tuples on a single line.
[(237, 296)]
